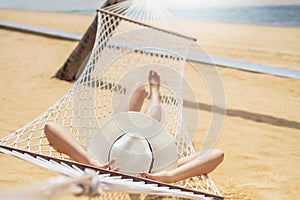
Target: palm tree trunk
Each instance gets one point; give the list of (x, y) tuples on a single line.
[(71, 66)]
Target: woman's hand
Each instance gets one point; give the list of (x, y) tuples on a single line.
[(163, 176), (107, 165)]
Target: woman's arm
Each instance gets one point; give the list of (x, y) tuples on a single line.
[(191, 168), (187, 159), (63, 142)]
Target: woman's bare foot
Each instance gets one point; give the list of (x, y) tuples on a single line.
[(154, 108), (154, 82)]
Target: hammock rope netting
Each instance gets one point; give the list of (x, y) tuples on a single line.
[(124, 51)]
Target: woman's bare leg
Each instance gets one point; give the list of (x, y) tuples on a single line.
[(63, 142), (154, 108), (133, 101)]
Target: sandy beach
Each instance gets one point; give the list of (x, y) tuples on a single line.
[(260, 136)]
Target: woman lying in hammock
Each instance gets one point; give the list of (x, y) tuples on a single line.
[(189, 166)]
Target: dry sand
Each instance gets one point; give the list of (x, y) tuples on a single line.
[(260, 136)]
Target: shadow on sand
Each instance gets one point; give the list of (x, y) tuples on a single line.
[(263, 118)]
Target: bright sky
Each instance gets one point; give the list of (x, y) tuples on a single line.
[(178, 4), (215, 3)]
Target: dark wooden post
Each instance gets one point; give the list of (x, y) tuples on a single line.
[(71, 66)]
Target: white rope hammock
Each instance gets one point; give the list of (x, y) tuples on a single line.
[(86, 180), (124, 51), (151, 12)]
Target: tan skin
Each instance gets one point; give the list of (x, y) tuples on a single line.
[(63, 142), (187, 167)]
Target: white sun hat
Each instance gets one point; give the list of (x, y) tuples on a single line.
[(138, 142)]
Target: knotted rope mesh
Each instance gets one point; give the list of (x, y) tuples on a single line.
[(124, 52)]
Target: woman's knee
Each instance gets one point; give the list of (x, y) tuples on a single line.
[(141, 91), (218, 154), (48, 127), (51, 128)]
